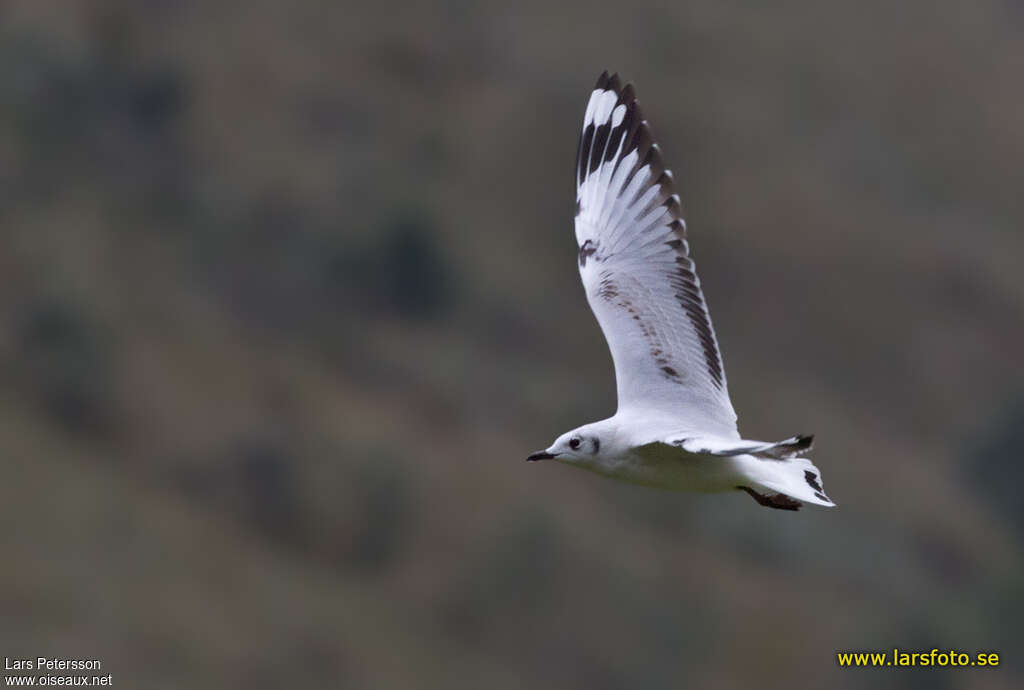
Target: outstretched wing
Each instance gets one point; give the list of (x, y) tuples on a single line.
[(636, 268)]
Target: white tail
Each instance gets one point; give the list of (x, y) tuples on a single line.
[(796, 477), (769, 468)]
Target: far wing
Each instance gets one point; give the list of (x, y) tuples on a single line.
[(792, 447), (640, 281)]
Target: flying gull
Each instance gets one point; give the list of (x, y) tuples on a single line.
[(675, 427)]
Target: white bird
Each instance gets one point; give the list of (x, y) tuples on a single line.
[(675, 427)]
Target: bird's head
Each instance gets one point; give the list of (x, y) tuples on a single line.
[(577, 446)]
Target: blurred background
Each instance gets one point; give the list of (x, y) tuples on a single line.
[(289, 293)]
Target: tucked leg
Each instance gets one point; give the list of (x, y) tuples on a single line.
[(778, 501)]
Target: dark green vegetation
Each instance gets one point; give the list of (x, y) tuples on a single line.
[(289, 292)]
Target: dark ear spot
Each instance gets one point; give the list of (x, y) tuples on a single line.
[(597, 445)]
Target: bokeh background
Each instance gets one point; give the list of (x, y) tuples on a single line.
[(289, 292)]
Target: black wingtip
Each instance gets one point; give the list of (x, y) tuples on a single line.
[(653, 159), (612, 82), (627, 95), (675, 209), (644, 140)]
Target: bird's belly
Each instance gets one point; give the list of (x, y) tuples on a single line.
[(676, 470)]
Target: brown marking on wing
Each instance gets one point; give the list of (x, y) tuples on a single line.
[(608, 289), (588, 249), (647, 329)]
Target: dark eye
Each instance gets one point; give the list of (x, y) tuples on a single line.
[(574, 443)]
